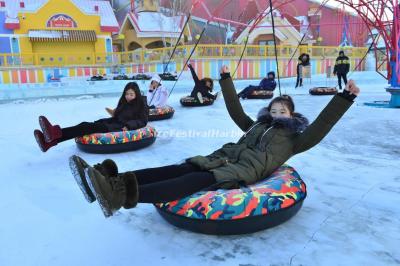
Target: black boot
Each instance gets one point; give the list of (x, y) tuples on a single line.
[(78, 165)]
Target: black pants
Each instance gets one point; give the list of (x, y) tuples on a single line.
[(248, 90), (171, 182), (340, 76), (299, 80), (82, 129)]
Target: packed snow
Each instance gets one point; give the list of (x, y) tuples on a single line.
[(351, 215)]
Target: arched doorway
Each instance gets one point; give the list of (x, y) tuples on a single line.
[(157, 44), (133, 46)]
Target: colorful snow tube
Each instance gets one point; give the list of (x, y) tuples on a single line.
[(265, 204), (115, 142), (261, 94), (192, 102), (161, 113), (323, 91)]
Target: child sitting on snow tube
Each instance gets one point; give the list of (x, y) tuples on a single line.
[(157, 96), (202, 88), (266, 84), (278, 134), (131, 113)]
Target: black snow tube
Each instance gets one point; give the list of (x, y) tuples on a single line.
[(323, 91), (261, 94), (161, 113), (192, 102)]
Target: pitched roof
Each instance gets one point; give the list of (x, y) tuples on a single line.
[(155, 24), (108, 22)]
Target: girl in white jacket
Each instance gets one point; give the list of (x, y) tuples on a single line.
[(157, 96)]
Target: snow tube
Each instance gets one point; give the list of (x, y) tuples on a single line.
[(97, 78), (121, 77), (261, 94), (192, 102), (141, 77), (262, 205), (114, 142), (323, 91), (161, 113), (168, 76)]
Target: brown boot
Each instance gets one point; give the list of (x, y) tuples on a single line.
[(132, 190), (108, 167), (111, 192), (78, 165), (50, 132), (43, 145)]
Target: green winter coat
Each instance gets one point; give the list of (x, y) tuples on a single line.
[(267, 143)]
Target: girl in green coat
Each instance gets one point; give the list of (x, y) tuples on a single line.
[(278, 134)]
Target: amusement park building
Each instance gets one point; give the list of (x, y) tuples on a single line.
[(330, 26), (145, 27), (56, 27)]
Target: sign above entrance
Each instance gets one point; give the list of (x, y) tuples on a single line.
[(61, 21)]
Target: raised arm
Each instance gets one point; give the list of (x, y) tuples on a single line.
[(331, 114), (194, 75), (232, 102)]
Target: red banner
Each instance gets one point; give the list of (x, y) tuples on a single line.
[(61, 21)]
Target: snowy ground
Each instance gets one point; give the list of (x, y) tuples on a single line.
[(350, 217)]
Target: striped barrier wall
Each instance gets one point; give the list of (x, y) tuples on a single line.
[(248, 69)]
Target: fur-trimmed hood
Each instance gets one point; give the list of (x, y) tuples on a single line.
[(297, 124)]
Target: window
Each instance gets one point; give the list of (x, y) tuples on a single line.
[(266, 42)]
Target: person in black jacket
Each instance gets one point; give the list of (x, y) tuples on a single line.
[(131, 113), (342, 67), (304, 60), (266, 84), (202, 88)]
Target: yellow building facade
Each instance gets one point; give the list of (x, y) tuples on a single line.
[(59, 28), (147, 28)]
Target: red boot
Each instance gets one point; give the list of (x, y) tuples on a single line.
[(50, 132), (43, 145)]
